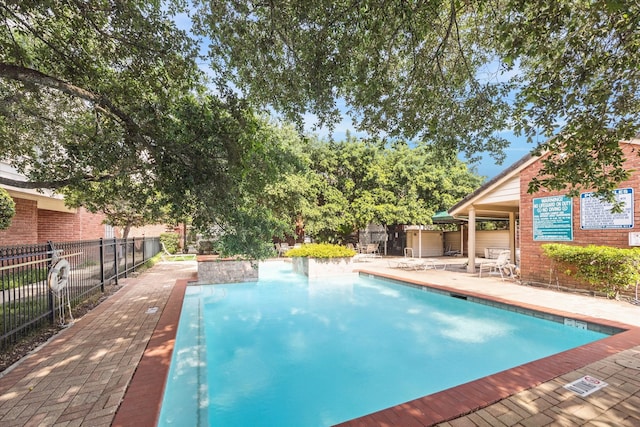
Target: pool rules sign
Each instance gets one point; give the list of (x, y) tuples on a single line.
[(595, 214), (553, 219)]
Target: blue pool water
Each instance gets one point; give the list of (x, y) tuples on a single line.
[(287, 351)]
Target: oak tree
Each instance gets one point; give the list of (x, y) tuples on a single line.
[(450, 74)]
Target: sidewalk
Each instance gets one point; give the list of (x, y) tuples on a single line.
[(80, 377)]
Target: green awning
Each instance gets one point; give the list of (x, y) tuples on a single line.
[(443, 217)]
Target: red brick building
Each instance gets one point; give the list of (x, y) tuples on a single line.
[(42, 216), (506, 196)]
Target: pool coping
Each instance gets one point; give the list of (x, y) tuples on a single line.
[(143, 399)]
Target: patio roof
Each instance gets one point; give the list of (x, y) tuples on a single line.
[(443, 217), (496, 198)]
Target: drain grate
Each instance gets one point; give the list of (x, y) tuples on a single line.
[(586, 385)]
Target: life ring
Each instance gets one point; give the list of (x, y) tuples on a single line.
[(59, 275)]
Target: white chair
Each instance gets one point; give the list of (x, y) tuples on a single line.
[(372, 249), (501, 265), (408, 262), (168, 256), (433, 263)]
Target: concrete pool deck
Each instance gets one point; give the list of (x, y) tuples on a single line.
[(109, 367)]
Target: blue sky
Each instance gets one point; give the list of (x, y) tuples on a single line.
[(518, 148)]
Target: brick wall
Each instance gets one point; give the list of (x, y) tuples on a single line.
[(57, 226), (535, 267), (92, 225), (32, 225), (64, 227), (151, 230), (21, 230)]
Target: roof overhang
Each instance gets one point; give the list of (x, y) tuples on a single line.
[(45, 199), (498, 198), (444, 218)]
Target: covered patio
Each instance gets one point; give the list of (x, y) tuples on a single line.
[(498, 198)]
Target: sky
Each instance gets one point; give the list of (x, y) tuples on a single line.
[(518, 149)]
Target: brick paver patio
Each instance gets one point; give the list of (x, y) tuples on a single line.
[(81, 375)]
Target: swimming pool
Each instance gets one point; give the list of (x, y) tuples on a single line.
[(286, 351)]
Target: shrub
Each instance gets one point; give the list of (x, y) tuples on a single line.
[(607, 269), (7, 209), (320, 250), (171, 242)]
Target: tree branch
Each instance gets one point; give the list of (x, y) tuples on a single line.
[(19, 19), (28, 75)]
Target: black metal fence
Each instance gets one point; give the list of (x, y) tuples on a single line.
[(28, 301)]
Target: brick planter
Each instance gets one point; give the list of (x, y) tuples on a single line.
[(213, 269), (322, 267)]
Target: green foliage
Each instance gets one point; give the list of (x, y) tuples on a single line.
[(248, 232), (405, 69), (608, 269), (7, 209), (86, 85), (206, 247), (171, 242), (352, 183), (22, 311), (110, 92), (449, 74), (22, 278), (126, 202), (578, 84), (105, 102), (320, 250)]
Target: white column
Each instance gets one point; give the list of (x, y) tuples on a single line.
[(471, 266), (512, 236)]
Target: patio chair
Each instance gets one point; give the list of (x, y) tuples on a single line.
[(372, 249), (168, 256), (450, 252), (414, 264), (433, 263), (501, 265), (419, 264), (403, 262)]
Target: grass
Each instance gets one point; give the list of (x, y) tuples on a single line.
[(22, 278)]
